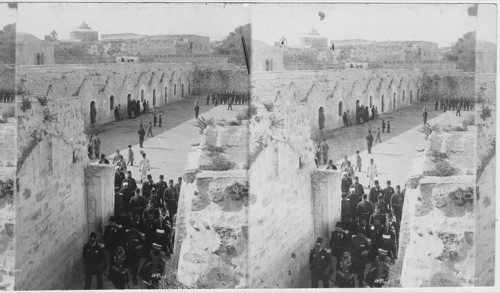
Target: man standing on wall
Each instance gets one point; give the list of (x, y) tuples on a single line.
[(93, 259), (325, 152), (141, 133), (369, 141), (97, 146), (319, 261)]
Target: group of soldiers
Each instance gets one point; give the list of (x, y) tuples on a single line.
[(143, 227), (366, 238), (7, 96), (321, 154), (134, 108), (455, 103), (228, 97), (362, 115)]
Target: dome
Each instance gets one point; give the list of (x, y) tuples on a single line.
[(84, 26), (313, 32), (26, 38)]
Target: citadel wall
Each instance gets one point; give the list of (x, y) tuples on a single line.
[(106, 86), (209, 80), (50, 201)]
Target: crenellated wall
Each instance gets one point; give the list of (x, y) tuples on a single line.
[(108, 85)]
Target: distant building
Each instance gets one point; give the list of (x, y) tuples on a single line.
[(32, 51), (314, 40), (266, 58), (84, 34)]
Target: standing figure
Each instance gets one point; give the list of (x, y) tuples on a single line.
[(141, 133), (371, 173), (319, 261), (150, 129), (383, 125), (93, 259), (397, 201), (144, 167), (196, 110), (378, 135), (325, 152), (388, 126), (97, 146), (155, 119), (358, 162), (369, 141), (425, 114), (130, 155), (159, 120)]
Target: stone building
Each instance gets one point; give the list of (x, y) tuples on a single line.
[(32, 51), (313, 40), (84, 33), (100, 88), (266, 58)]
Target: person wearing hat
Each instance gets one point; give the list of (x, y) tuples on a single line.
[(379, 272), (331, 166), (119, 177), (154, 266), (339, 242), (154, 200), (397, 201), (319, 261), (375, 191), (354, 200), (118, 271), (127, 194), (148, 186), (103, 159), (161, 237), (345, 273), (94, 261), (377, 223), (381, 204), (387, 244), (392, 228), (345, 211), (360, 249), (161, 186), (119, 204), (346, 183), (171, 198), (151, 224), (365, 209), (131, 181), (113, 236), (137, 203), (388, 192), (178, 185), (133, 248)]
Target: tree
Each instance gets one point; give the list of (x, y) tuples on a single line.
[(464, 52), (8, 44), (233, 46)]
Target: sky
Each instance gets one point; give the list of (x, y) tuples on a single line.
[(213, 20), (7, 15), (442, 24)]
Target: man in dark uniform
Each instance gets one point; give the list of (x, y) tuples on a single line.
[(154, 266), (369, 141), (340, 241), (397, 201), (381, 205), (119, 204), (161, 186), (147, 187), (138, 203), (151, 224), (114, 236), (377, 223), (208, 99), (346, 183), (131, 181), (133, 249), (178, 186), (141, 133), (127, 194), (94, 261), (345, 273), (387, 244), (154, 200), (119, 177), (375, 192), (345, 212), (379, 272), (170, 198), (360, 249), (388, 192), (365, 209), (425, 114), (319, 261), (164, 239)]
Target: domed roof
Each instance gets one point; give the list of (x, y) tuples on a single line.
[(313, 32), (26, 38), (84, 26)]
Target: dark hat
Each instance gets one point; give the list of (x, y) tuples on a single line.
[(93, 235), (319, 240), (339, 224), (376, 181)]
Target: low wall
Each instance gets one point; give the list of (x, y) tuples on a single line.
[(209, 80), (326, 196), (99, 191)]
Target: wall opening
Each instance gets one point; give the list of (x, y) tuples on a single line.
[(37, 58), (93, 113), (142, 95), (394, 101), (357, 109), (382, 104), (182, 90), (371, 101), (340, 108), (129, 97), (321, 118), (166, 95), (154, 97), (111, 103), (403, 96), (175, 90), (411, 96)]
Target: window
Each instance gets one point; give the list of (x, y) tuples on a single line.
[(403, 96), (340, 108), (111, 103), (175, 89)]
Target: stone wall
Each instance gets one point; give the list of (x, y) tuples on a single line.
[(212, 227), (326, 201), (51, 217), (439, 84), (209, 80), (99, 192), (7, 78), (108, 85), (336, 91)]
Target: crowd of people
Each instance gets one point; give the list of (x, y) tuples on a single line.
[(141, 229), (134, 108), (454, 103), (7, 97), (366, 238), (363, 115), (228, 98)]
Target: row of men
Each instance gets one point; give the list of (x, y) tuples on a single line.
[(228, 97), (457, 103), (7, 97), (134, 108)]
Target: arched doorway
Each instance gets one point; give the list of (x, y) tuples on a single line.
[(175, 90), (111, 103), (142, 95), (189, 89), (394, 102), (418, 95), (321, 118), (403, 96), (182, 91), (154, 98), (411, 96), (382, 104), (129, 97), (340, 108), (93, 113), (166, 95), (371, 101), (357, 109)]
